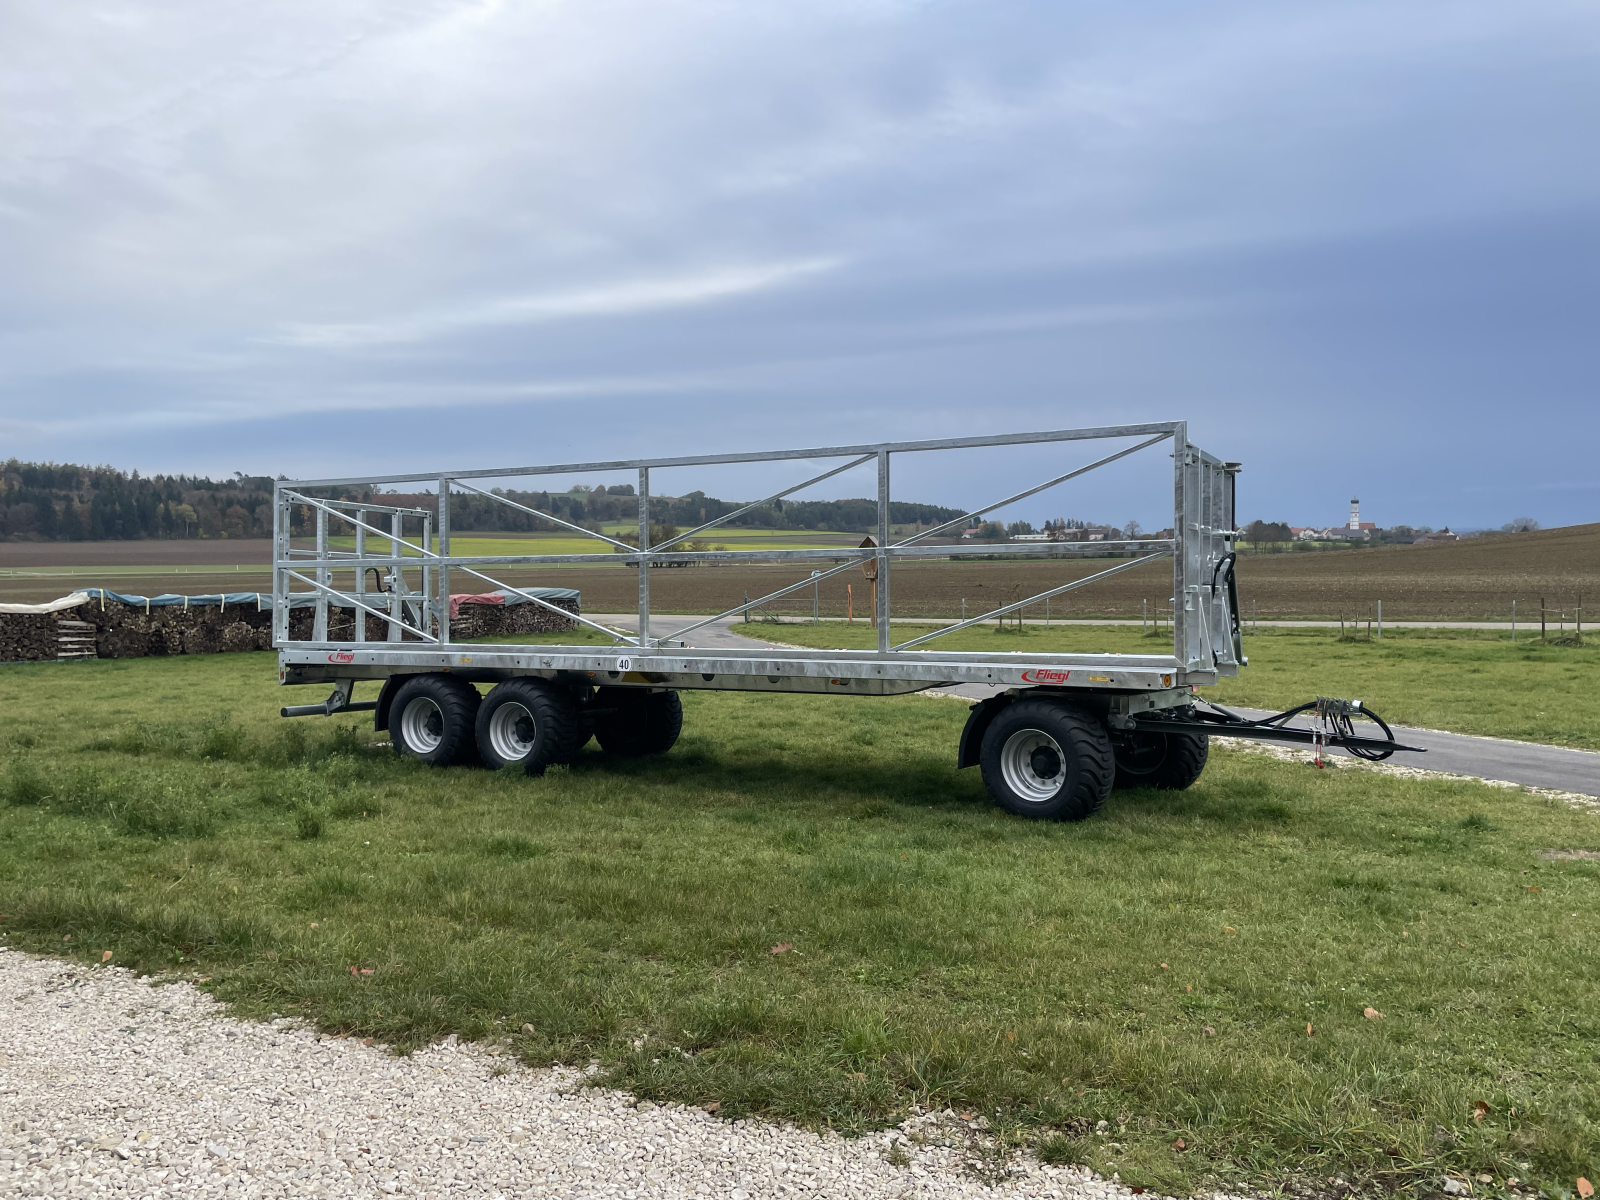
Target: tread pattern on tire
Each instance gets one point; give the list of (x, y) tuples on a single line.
[(560, 732), (458, 705), (1089, 762), (1185, 759), (640, 723)]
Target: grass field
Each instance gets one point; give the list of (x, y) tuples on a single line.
[(558, 543), (805, 912), (1465, 680)]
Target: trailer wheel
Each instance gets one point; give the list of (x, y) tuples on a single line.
[(528, 722), (634, 723), (431, 720), (1171, 761), (1047, 760)]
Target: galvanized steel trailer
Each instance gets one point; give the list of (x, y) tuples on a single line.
[(1082, 721)]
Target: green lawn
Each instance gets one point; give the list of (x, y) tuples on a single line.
[(1470, 681), (1156, 967), (562, 543)]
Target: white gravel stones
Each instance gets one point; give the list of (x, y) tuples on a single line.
[(112, 1086)]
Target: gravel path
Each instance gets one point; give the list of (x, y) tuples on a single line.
[(112, 1086)]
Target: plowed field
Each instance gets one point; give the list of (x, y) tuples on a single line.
[(1476, 579)]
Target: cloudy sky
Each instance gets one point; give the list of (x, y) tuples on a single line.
[(1356, 245)]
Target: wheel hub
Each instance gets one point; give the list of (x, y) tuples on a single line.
[(512, 731), (1032, 763), (422, 725)]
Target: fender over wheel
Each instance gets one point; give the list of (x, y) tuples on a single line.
[(529, 723), (431, 720), (1047, 760)]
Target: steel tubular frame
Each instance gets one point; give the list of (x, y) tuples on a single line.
[(1203, 532)]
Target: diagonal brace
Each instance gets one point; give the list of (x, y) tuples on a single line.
[(383, 533), (543, 515), (793, 587), (758, 503), (553, 608), (1011, 608), (1110, 458), (347, 598)]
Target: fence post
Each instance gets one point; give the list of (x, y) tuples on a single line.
[(1513, 622), (1380, 620), (1543, 637), (1144, 617), (816, 608)]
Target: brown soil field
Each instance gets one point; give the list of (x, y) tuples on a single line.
[(1474, 579), (153, 553)]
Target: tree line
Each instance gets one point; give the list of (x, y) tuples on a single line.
[(61, 502)]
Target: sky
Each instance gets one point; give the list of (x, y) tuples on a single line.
[(1355, 245)]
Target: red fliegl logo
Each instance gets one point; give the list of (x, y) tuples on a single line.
[(1045, 675), (342, 656)]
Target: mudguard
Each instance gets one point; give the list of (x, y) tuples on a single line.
[(977, 725)]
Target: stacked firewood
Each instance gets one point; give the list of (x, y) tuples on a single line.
[(122, 630), (131, 631), (487, 620), (28, 637)]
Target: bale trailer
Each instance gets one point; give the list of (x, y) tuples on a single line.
[(1058, 732)]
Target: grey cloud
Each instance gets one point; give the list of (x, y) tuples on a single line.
[(868, 217)]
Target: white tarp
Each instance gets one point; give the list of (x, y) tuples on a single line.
[(72, 601)]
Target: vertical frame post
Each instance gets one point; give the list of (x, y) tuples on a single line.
[(282, 520), (361, 574), (883, 552), (444, 571), (319, 632), (1181, 538), (644, 559), (425, 600), (397, 530)]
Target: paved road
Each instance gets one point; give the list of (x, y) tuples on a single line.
[(1525, 763)]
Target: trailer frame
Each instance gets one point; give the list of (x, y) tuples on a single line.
[(414, 624)]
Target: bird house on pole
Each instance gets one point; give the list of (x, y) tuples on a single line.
[(869, 568)]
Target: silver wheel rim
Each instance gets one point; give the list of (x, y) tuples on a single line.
[(1016, 766), (422, 725), (512, 731)]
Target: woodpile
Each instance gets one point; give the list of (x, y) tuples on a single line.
[(28, 637), (488, 620), (129, 631), (111, 629)]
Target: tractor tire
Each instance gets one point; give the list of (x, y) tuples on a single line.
[(528, 723), (1170, 761), (633, 723), (1047, 760), (432, 718)]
